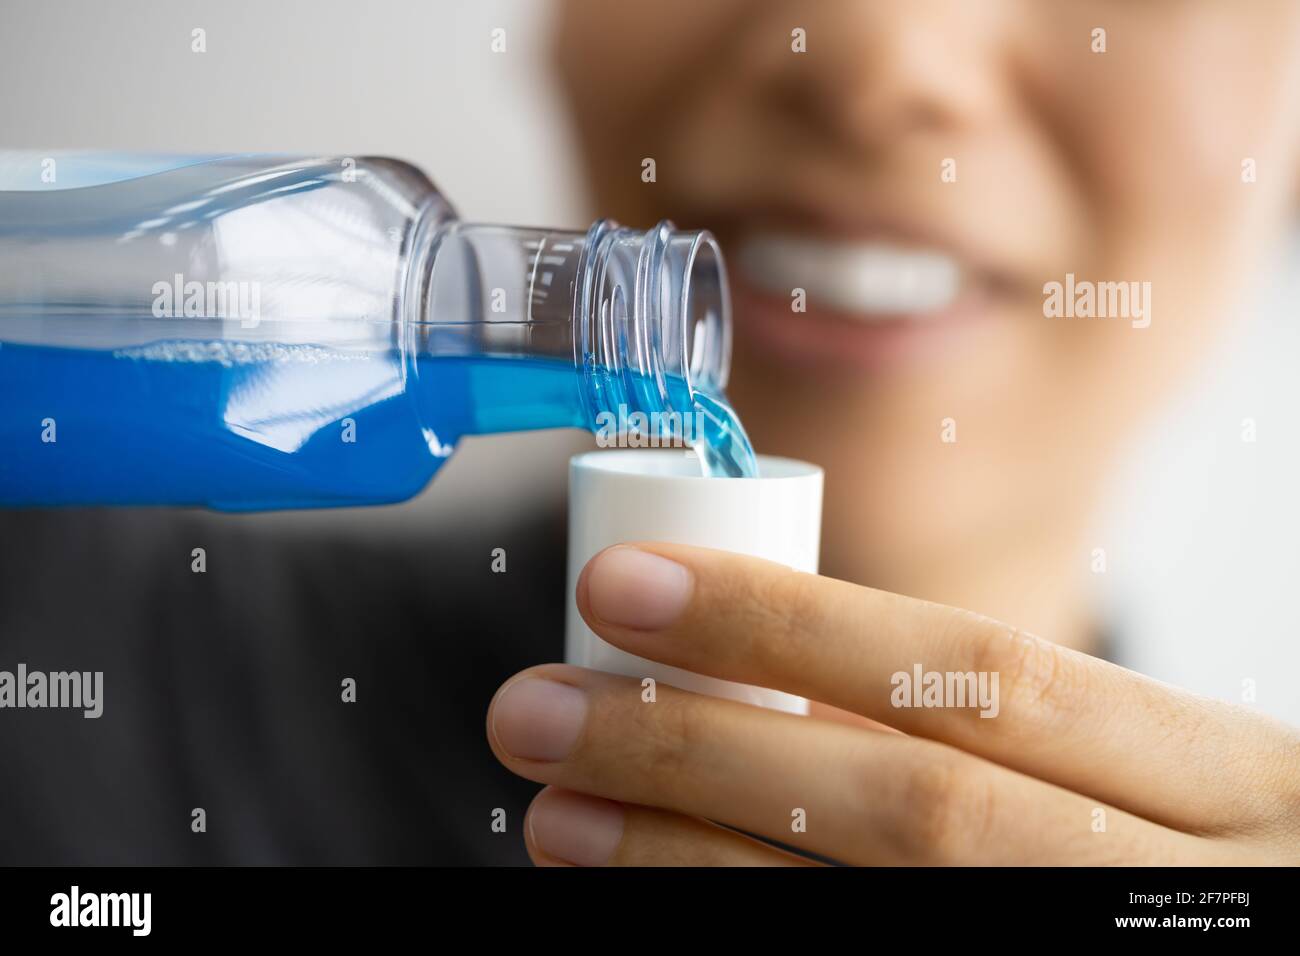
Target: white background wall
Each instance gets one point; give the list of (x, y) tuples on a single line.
[(1203, 535)]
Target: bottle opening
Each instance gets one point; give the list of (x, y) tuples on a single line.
[(657, 313), (706, 313), (658, 339)]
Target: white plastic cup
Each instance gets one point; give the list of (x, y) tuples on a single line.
[(623, 495)]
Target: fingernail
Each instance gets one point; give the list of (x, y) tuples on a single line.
[(576, 828), (536, 719), (628, 587)]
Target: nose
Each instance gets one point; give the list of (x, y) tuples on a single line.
[(878, 70)]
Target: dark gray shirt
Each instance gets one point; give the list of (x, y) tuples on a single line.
[(223, 690)]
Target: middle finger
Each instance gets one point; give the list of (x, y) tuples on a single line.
[(836, 791)]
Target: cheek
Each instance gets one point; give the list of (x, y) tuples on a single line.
[(628, 72), (623, 61), (1162, 131), (1153, 137)]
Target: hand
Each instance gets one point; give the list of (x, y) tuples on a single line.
[(1084, 763)]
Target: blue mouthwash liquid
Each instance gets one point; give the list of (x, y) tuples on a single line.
[(266, 426), (250, 332)]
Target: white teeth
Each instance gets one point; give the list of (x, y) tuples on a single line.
[(863, 279)]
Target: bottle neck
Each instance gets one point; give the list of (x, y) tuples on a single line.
[(640, 320), (654, 317)]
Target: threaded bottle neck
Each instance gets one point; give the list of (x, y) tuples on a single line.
[(643, 316), (653, 319)]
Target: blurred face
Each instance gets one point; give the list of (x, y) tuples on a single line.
[(919, 174)]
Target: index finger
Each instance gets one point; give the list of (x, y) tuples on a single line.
[(1055, 713)]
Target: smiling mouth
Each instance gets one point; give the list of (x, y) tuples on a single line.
[(871, 281), (866, 302)]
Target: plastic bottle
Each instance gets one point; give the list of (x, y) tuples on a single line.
[(251, 332)]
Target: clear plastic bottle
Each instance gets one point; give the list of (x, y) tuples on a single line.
[(252, 332)]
